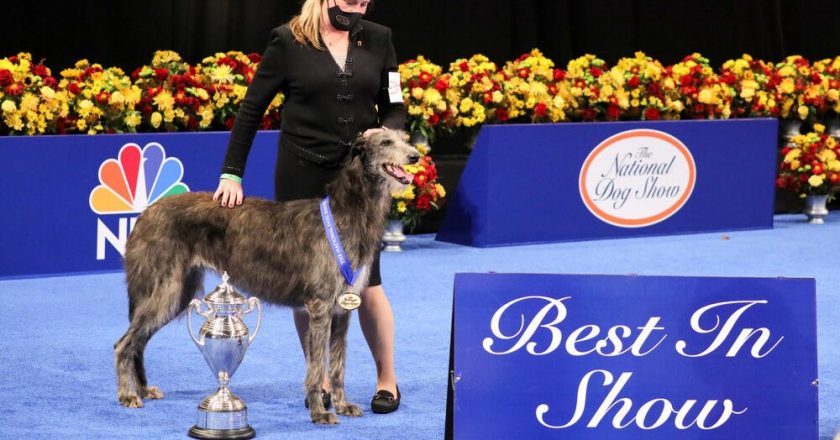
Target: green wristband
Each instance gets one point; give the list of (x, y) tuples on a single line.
[(233, 177)]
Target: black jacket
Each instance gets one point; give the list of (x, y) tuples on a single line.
[(325, 107)]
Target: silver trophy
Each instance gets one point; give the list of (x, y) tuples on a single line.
[(223, 340)]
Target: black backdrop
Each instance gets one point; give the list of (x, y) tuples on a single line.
[(121, 33)]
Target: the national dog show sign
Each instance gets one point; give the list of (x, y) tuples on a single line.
[(630, 357)]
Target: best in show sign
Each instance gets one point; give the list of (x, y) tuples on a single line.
[(628, 357)]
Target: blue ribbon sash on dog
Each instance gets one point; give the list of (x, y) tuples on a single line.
[(335, 243)]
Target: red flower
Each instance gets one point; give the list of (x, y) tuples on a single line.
[(652, 114), (559, 75), (41, 70), (423, 202), (102, 97), (14, 89), (596, 72), (5, 77), (161, 74), (255, 57), (540, 109), (634, 82), (588, 114), (552, 89), (488, 97), (434, 119), (441, 85), (50, 82), (502, 115), (425, 79), (613, 111), (524, 72), (229, 122), (464, 66)]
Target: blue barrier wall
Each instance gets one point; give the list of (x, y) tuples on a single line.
[(630, 357), (50, 224), (579, 181)]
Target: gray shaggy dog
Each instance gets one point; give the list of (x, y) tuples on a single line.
[(276, 251)]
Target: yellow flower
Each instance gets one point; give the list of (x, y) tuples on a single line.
[(440, 191), (47, 92), (157, 118), (788, 85), (132, 119), (819, 128), (117, 99), (816, 180), (164, 100), (222, 74), (9, 106), (401, 207), (802, 111)]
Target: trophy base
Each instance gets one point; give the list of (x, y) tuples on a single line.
[(232, 434)]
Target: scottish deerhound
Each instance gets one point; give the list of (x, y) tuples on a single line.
[(276, 251)]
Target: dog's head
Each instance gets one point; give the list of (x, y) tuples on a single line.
[(384, 154)]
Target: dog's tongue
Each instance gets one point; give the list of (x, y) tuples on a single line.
[(400, 172)]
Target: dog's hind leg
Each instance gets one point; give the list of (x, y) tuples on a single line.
[(316, 358), (338, 352), (162, 301)]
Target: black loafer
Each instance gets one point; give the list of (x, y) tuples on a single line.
[(326, 397), (384, 402)]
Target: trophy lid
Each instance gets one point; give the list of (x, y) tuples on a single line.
[(224, 294)]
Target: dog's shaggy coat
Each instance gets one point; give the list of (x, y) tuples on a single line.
[(276, 251)]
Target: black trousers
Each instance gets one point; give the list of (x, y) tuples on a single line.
[(296, 178)]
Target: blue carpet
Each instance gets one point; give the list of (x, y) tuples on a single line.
[(56, 357)]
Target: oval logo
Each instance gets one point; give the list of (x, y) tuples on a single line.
[(342, 19), (637, 178)]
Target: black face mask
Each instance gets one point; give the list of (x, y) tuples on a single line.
[(343, 21)]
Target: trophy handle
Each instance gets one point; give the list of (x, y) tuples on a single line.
[(194, 304), (254, 301)]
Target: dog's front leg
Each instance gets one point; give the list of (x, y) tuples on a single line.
[(320, 313), (338, 351)]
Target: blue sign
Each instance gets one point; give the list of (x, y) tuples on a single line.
[(629, 357), (579, 181), (71, 201)]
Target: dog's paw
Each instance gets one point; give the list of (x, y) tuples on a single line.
[(324, 418), (131, 401), (153, 393), (348, 409)]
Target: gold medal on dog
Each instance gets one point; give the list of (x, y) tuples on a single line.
[(350, 301)]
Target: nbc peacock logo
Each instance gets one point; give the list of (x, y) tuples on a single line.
[(128, 184)]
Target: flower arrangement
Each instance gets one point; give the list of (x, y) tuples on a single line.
[(475, 86), (100, 100), (634, 91), (29, 100), (585, 79), (227, 76), (810, 164), (798, 89), (425, 93), (531, 90), (421, 196), (693, 90), (173, 94), (746, 80), (829, 69)]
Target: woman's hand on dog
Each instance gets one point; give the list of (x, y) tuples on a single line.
[(229, 193)]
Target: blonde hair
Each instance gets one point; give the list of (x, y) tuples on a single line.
[(306, 27)]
